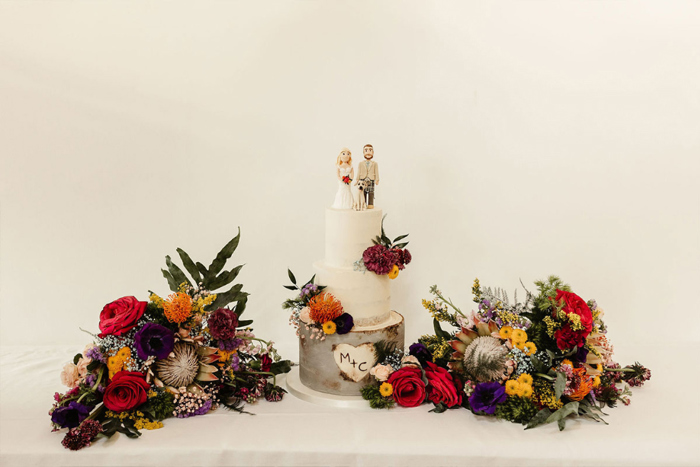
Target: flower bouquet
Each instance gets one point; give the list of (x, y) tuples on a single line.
[(319, 311), (533, 363), (347, 179), (385, 256), (179, 356)]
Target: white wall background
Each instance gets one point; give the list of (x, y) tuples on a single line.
[(515, 140)]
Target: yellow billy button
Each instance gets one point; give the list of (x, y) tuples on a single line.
[(394, 273)]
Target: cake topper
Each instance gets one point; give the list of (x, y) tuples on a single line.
[(344, 173), (368, 170)]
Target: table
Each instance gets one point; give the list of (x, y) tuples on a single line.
[(660, 427)]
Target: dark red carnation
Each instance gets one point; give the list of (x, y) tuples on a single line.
[(409, 389), (265, 363), (222, 324), (120, 316), (379, 259), (567, 338), (441, 386), (127, 390)]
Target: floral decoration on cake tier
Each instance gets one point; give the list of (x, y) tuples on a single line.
[(541, 361), (179, 356)]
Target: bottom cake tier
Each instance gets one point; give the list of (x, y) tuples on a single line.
[(340, 364)]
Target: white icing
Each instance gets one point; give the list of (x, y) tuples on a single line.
[(365, 296), (349, 233)]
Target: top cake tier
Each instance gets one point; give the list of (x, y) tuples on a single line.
[(349, 233)]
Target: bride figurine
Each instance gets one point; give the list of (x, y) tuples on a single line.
[(345, 173)]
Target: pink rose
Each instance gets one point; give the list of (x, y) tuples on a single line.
[(82, 366), (305, 315), (381, 372), (70, 375)]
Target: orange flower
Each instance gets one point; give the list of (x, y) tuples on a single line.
[(178, 307), (324, 307), (584, 387)]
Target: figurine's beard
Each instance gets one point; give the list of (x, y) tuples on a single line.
[(368, 156)]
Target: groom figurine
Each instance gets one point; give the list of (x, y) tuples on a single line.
[(368, 170)]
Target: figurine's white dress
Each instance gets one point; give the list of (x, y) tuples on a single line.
[(343, 197)]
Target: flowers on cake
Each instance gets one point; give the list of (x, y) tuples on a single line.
[(386, 257), (318, 311), (177, 357), (533, 362)]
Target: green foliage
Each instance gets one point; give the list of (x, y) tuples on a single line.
[(376, 400), (545, 416), (548, 289), (386, 242), (159, 407), (299, 302), (384, 349), (212, 278), (126, 427), (283, 366), (517, 409)]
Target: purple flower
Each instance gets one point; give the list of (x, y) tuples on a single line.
[(581, 354), (486, 397), (95, 354), (154, 339), (222, 324), (343, 323), (235, 362), (71, 415), (421, 352)]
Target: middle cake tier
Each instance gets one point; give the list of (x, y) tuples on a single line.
[(366, 296)]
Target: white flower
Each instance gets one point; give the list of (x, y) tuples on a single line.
[(381, 372)]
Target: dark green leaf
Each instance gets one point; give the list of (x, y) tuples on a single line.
[(223, 299), (77, 358), (240, 306), (171, 282), (568, 409), (244, 323), (203, 270), (189, 265), (93, 365), (539, 419), (439, 332), (291, 287), (440, 408), (218, 264), (559, 384), (225, 278), (283, 366), (291, 276), (401, 245), (176, 272), (400, 237), (538, 365)]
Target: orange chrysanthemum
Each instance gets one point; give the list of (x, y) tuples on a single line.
[(178, 307), (584, 387), (324, 307)]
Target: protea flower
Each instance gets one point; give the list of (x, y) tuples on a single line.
[(187, 363), (479, 353)]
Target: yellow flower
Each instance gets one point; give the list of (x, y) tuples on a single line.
[(596, 381), (512, 387), (124, 353), (530, 348), (519, 336), (114, 364), (599, 367), (329, 327), (505, 332), (521, 390), (386, 389), (566, 361), (526, 390), (394, 273), (525, 379)]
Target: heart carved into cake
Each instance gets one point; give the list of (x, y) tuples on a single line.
[(354, 362)]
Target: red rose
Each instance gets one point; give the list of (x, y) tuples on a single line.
[(441, 386), (575, 304), (120, 316), (409, 389), (127, 390)]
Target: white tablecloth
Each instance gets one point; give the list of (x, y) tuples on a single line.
[(660, 427)]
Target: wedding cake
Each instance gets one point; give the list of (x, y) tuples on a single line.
[(343, 314)]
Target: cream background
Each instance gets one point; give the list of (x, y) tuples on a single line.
[(515, 140)]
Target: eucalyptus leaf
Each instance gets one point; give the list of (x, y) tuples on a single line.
[(218, 264), (559, 384), (539, 419), (562, 424), (189, 265), (568, 409)]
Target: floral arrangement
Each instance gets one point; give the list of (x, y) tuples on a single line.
[(533, 363), (347, 179), (386, 257), (179, 356), (319, 311)]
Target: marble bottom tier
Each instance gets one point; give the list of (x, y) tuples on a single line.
[(340, 364)]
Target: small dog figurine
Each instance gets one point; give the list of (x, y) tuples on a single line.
[(359, 203)]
